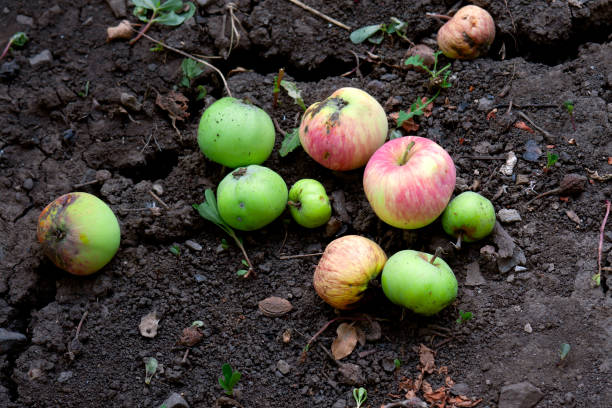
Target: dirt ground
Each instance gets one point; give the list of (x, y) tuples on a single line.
[(530, 289)]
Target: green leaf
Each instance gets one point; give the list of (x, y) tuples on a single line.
[(147, 4), (361, 34), (376, 39), (19, 39), (191, 68), (173, 19), (171, 5), (185, 82), (245, 263), (227, 370), (241, 272), (235, 378), (150, 369), (201, 92), (290, 142), (294, 93), (564, 351), (415, 60), (404, 116)]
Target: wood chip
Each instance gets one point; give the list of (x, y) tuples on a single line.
[(275, 306)]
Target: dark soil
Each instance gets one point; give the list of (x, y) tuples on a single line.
[(54, 135)]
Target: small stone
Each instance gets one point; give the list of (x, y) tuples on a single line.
[(510, 278), (25, 20), (64, 376), (28, 184), (460, 389), (517, 258), (508, 167), (9, 70), (528, 328), (130, 101), (283, 367), (388, 364), (520, 395), (193, 245), (275, 306), (158, 189), (175, 401), (199, 278), (522, 179), (485, 104), (532, 151), (43, 57), (508, 215), (473, 276), (519, 268), (118, 7), (9, 339)]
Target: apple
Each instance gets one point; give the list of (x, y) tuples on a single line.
[(251, 197), (469, 217), (79, 233), (309, 204), (235, 133), (409, 181), (346, 268), (409, 279), (343, 131)]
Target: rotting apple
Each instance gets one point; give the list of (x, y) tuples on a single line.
[(251, 197), (410, 279), (468, 34), (235, 133), (468, 217), (309, 204), (343, 131), (346, 268), (79, 233), (409, 181)]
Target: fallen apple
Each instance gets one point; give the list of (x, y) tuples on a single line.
[(469, 217), (309, 204), (251, 197), (468, 34), (79, 233), (342, 131), (409, 181), (235, 133), (346, 268), (411, 280)]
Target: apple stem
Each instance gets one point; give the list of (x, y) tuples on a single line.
[(405, 156), (436, 255), (459, 239)]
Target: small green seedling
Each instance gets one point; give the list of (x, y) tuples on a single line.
[(229, 378), (376, 33), (197, 323), (242, 272), (551, 159), (224, 244), (361, 395), (292, 90), (563, 352), (464, 317), (85, 91), (416, 109), (569, 107), (18, 39), (191, 71), (175, 250), (596, 279), (437, 78), (170, 12), (209, 210), (157, 48), (397, 363), (150, 369)]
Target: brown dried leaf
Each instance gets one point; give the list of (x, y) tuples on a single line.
[(463, 401), (287, 336), (346, 341), (191, 336), (426, 358), (175, 103), (523, 126), (438, 396), (406, 384), (275, 306), (148, 325), (361, 336)]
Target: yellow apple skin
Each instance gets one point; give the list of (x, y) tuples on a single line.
[(79, 233)]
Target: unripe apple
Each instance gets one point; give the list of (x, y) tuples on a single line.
[(309, 204), (470, 216), (409, 279), (235, 133), (79, 233), (251, 197), (343, 131), (346, 268)]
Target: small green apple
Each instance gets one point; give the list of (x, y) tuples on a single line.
[(79, 233), (309, 204), (469, 217), (251, 197), (235, 133), (409, 279)]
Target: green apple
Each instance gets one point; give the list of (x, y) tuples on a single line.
[(469, 217), (309, 204), (251, 197), (409, 279), (79, 233), (235, 133)]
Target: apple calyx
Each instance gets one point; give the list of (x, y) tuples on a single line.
[(405, 156), (239, 173), (295, 204)]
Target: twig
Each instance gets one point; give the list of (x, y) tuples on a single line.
[(78, 330), (440, 16), (277, 85), (278, 128), (482, 157), (185, 356), (601, 235), (87, 183), (184, 54), (283, 257), (529, 105), (159, 200), (546, 134), (318, 13)]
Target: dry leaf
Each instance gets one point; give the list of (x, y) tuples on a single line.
[(372, 330), (406, 384), (437, 396), (191, 336), (426, 358), (148, 325), (426, 387), (346, 341), (176, 104), (609, 160), (287, 336), (427, 110), (407, 125), (463, 401), (361, 336), (523, 126), (595, 175), (275, 306), (491, 115)]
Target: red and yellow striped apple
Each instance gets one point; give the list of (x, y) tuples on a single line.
[(79, 233), (409, 181), (346, 268), (344, 130)]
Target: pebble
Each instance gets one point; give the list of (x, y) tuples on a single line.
[(199, 278), (9, 339), (283, 367), (25, 20), (64, 376), (485, 104), (9, 70), (28, 184), (528, 328), (175, 401), (388, 364), (532, 151), (520, 395), (130, 101), (158, 189), (508, 167), (44, 57), (510, 278), (473, 276), (508, 215), (118, 7), (193, 245)]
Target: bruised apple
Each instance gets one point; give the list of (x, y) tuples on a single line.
[(79, 233), (346, 268)]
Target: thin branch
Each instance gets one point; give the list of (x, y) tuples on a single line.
[(546, 134), (601, 235), (159, 200), (283, 257), (318, 13)]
